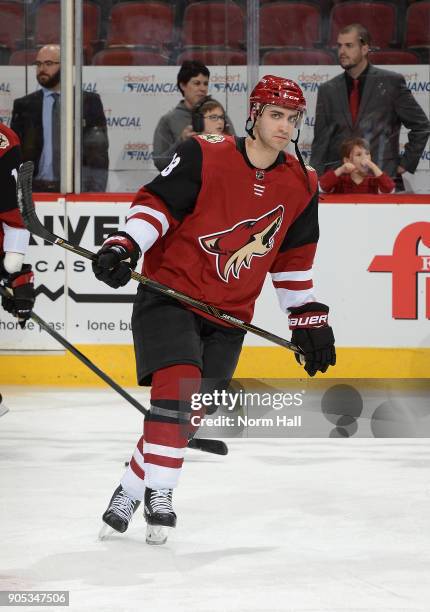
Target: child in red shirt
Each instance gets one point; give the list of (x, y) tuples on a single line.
[(358, 173)]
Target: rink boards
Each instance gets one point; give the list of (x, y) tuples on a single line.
[(372, 268)]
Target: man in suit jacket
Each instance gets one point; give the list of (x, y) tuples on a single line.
[(369, 103), (35, 118)]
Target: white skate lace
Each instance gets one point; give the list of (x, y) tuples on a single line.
[(123, 506), (161, 500)]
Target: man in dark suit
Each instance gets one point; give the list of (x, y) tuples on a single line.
[(370, 103), (36, 120)]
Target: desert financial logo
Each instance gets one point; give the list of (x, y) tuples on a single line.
[(425, 155), (90, 86), (416, 85), (221, 83), (228, 87), (405, 264), (122, 121), (305, 150), (137, 151), (5, 113), (147, 84), (310, 82)]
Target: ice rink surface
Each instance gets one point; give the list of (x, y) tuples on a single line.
[(315, 525)]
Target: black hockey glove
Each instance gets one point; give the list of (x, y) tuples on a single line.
[(20, 303), (116, 259), (313, 335)]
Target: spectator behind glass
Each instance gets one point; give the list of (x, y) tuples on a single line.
[(370, 103), (358, 173), (176, 126), (36, 120), (209, 117)]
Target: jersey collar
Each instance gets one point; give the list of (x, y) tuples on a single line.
[(240, 146)]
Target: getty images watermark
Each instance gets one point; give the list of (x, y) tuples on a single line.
[(236, 409), (309, 408)]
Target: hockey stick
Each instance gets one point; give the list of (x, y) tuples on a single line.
[(210, 446), (33, 224)]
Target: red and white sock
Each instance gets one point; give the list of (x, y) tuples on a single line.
[(159, 454)]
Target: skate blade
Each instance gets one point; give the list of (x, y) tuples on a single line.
[(156, 535), (105, 532)]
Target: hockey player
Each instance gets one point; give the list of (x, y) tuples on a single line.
[(14, 274), (222, 214)]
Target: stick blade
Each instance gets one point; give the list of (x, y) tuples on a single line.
[(24, 188), (25, 201), (217, 447)]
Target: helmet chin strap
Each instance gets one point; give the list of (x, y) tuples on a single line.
[(300, 158), (249, 127), (250, 123)]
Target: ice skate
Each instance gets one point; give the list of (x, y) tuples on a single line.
[(119, 513), (159, 515)]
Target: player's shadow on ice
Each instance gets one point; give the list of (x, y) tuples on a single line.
[(124, 561)]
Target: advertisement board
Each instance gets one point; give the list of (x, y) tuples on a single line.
[(50, 270), (372, 268)]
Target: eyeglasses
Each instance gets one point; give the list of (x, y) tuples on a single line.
[(215, 117), (48, 64)]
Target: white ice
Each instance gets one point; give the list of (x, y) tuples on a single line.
[(322, 525)]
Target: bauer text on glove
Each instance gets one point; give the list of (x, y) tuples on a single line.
[(312, 333)]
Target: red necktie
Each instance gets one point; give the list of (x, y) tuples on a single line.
[(354, 100)]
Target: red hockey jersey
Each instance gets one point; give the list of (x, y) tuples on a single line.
[(212, 225), (13, 235)]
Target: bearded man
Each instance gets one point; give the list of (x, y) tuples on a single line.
[(36, 120)]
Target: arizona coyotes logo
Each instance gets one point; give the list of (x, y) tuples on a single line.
[(213, 138), (236, 246), (4, 142)]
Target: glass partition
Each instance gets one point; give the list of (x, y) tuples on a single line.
[(131, 111), (30, 35), (133, 67), (301, 41)]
